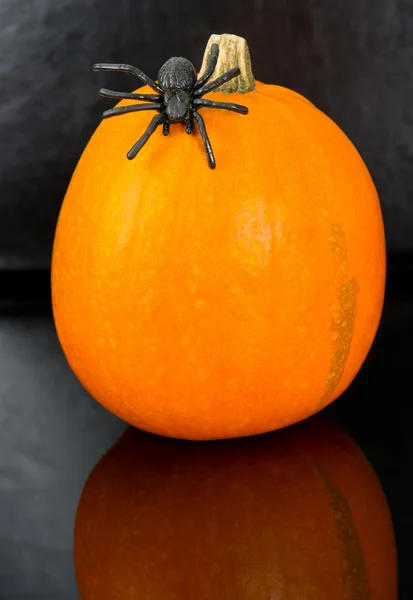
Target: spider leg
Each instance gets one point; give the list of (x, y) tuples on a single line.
[(207, 144), (156, 121), (238, 108), (166, 127), (212, 85), (126, 96), (212, 63), (189, 124), (129, 69), (123, 110)]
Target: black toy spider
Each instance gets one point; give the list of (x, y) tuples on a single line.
[(178, 97)]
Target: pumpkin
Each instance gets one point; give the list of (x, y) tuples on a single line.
[(206, 304), (296, 513)]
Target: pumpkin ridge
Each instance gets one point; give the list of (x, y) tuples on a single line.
[(354, 573), (342, 324)]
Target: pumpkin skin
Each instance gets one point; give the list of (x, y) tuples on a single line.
[(212, 304), (297, 513)]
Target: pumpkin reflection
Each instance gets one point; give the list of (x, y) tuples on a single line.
[(298, 513)]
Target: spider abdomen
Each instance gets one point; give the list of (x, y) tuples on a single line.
[(177, 73)]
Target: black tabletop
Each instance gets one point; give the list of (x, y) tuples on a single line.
[(53, 432)]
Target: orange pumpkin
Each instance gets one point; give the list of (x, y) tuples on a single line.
[(297, 513), (210, 304)]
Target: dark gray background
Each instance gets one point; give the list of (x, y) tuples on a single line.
[(352, 58)]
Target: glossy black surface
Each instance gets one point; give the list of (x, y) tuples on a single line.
[(53, 432)]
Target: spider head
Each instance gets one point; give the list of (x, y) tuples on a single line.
[(177, 105)]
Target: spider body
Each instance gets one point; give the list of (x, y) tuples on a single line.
[(177, 77), (178, 98)]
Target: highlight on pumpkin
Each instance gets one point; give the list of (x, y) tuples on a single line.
[(203, 304), (298, 513)]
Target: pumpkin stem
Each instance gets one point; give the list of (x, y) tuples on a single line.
[(233, 52)]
